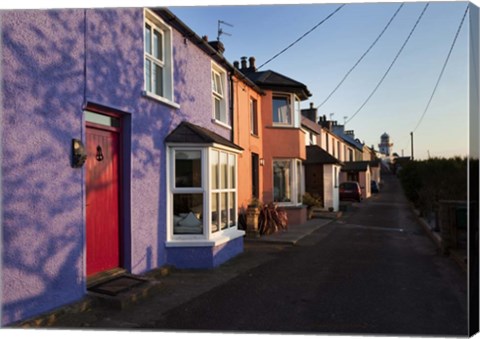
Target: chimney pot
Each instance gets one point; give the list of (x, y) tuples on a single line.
[(236, 64), (311, 105), (244, 62), (205, 38), (252, 67)]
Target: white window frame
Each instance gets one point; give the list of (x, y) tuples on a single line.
[(158, 25), (231, 187), (294, 107), (221, 96), (188, 190), (208, 238), (297, 175)]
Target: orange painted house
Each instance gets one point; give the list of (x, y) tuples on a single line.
[(283, 139), (248, 134)]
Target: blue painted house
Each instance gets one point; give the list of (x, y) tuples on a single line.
[(149, 104)]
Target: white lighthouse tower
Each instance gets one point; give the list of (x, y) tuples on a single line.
[(385, 144)]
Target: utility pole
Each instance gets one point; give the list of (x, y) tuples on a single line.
[(411, 137)]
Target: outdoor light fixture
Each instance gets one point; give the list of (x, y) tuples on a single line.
[(262, 162), (79, 153)]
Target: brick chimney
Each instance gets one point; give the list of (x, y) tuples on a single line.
[(218, 46), (310, 113)]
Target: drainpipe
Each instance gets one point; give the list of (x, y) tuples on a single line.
[(232, 109)]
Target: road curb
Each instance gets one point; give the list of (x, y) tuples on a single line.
[(436, 238)]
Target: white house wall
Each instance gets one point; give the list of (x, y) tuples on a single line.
[(330, 190)]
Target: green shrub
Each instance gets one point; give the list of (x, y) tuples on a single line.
[(428, 181), (312, 200)]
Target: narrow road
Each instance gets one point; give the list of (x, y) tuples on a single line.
[(373, 271)]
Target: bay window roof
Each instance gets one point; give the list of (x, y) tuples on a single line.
[(317, 155), (190, 133)]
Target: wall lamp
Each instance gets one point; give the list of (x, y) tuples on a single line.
[(262, 162), (79, 153)]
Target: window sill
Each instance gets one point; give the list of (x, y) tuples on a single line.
[(290, 206), (274, 126), (216, 240), (221, 123), (158, 98), (255, 135)]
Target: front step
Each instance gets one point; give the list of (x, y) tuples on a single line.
[(318, 213), (123, 290)]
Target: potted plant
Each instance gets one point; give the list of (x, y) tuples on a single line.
[(311, 201), (272, 219), (253, 212)]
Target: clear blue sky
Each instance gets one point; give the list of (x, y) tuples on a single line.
[(323, 57)]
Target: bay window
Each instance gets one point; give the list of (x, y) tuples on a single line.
[(203, 193), (286, 110), (282, 111), (288, 181)]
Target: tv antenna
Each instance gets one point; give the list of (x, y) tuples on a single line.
[(331, 115), (220, 30), (345, 120)]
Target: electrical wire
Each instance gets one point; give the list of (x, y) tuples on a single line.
[(391, 65), (363, 56), (300, 38), (443, 69)]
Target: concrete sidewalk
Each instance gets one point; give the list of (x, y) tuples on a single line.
[(176, 286), (294, 233)]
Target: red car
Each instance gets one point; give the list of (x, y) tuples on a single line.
[(350, 190)]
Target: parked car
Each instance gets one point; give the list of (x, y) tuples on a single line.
[(374, 187), (350, 190)]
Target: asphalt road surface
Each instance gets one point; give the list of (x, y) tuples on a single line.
[(373, 271)]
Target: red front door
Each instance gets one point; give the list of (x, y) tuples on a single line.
[(102, 190)]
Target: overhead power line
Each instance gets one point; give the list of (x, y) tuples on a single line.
[(363, 56), (443, 68), (391, 65), (303, 36)]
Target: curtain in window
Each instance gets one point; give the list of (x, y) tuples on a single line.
[(282, 181)]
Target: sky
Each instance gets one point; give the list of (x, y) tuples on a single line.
[(323, 57)]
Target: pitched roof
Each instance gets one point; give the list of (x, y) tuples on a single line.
[(311, 125), (317, 155), (356, 166), (276, 81), (189, 133)]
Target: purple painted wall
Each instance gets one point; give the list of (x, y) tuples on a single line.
[(42, 195), (53, 63), (204, 257)]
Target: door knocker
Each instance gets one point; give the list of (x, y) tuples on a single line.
[(99, 153)]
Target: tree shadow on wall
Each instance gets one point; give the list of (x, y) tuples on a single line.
[(47, 79), (42, 194)]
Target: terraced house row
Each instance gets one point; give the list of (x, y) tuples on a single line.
[(128, 141)]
